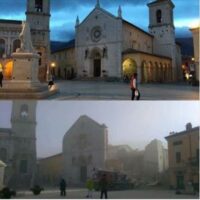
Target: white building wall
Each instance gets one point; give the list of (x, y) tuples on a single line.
[(136, 39), (154, 159)]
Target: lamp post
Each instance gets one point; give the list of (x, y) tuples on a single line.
[(53, 66)]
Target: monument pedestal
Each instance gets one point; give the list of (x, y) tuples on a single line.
[(24, 83)]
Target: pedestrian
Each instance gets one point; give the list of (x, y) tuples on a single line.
[(63, 186), (51, 81), (1, 79), (90, 187), (134, 88), (103, 185)]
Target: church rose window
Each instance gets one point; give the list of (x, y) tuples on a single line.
[(96, 34)]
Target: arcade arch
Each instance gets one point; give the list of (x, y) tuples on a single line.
[(129, 67)]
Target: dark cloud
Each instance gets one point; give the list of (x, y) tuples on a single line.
[(183, 32), (67, 10), (19, 6), (62, 35), (75, 4)]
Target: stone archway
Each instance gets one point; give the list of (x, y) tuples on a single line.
[(129, 67), (144, 72), (96, 62)]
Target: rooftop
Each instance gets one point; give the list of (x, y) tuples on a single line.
[(8, 21), (173, 134)]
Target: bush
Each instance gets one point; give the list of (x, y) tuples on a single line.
[(36, 190), (7, 193)]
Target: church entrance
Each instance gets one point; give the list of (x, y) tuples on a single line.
[(97, 67), (83, 174)]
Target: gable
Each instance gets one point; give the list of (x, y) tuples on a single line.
[(101, 22), (98, 12), (83, 125)]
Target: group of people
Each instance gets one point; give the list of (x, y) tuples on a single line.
[(103, 186)]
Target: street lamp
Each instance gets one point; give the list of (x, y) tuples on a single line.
[(53, 64)]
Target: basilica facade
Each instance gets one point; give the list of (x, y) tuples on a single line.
[(85, 147), (109, 46), (18, 145)]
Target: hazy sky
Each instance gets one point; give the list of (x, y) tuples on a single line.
[(130, 123), (64, 13)]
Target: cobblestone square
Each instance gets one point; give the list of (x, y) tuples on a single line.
[(103, 90)]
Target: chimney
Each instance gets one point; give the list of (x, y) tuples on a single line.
[(188, 126)]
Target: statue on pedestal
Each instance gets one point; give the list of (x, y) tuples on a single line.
[(25, 38)]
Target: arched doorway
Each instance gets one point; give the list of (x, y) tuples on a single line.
[(97, 65), (150, 71), (95, 57), (129, 67), (144, 72), (8, 70)]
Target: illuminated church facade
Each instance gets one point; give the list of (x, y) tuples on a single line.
[(109, 46)]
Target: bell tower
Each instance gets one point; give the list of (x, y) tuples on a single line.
[(23, 162), (38, 17), (161, 26)]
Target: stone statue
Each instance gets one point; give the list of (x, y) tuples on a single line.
[(25, 38)]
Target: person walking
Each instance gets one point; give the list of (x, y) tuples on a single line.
[(51, 81), (90, 187), (103, 184), (134, 88), (1, 79), (63, 186)]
